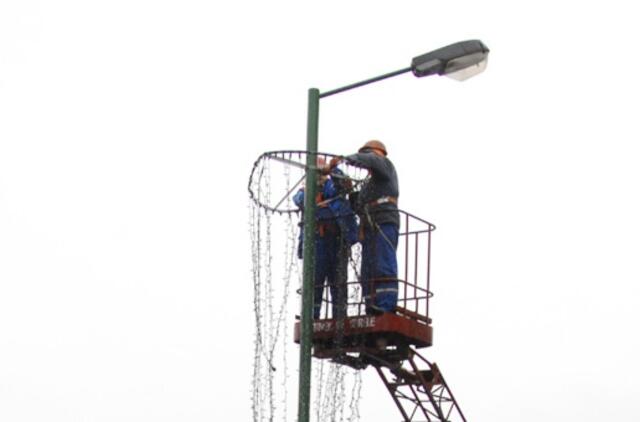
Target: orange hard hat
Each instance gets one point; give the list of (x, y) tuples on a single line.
[(374, 145)]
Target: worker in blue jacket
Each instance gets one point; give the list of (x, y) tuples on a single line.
[(377, 207), (336, 232)]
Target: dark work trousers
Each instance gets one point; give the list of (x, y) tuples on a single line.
[(331, 268), (379, 271)]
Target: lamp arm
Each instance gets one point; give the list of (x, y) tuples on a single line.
[(365, 82)]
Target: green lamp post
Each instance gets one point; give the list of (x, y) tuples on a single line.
[(459, 61)]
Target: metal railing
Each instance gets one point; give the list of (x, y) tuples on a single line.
[(414, 275)]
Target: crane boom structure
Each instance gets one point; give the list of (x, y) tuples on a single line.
[(419, 390)]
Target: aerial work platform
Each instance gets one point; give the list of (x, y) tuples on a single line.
[(387, 341), (363, 329), (387, 331)]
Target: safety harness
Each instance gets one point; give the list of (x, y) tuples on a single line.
[(324, 227), (373, 204)]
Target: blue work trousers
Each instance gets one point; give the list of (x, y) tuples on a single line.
[(330, 268), (379, 271)]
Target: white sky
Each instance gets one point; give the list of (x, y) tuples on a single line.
[(127, 134)]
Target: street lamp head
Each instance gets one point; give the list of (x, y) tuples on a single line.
[(461, 60)]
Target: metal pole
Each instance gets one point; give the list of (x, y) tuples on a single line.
[(308, 263)]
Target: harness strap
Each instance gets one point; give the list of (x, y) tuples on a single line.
[(320, 202), (324, 228)]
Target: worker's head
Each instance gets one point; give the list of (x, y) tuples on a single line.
[(374, 146), (320, 163)]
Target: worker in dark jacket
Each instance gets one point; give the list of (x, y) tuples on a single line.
[(336, 232), (377, 207)]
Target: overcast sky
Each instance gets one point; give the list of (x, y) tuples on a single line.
[(127, 133)]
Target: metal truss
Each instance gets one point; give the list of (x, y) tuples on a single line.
[(419, 390)]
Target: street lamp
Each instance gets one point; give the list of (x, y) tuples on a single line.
[(459, 61)]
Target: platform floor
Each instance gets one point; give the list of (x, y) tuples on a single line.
[(354, 334)]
